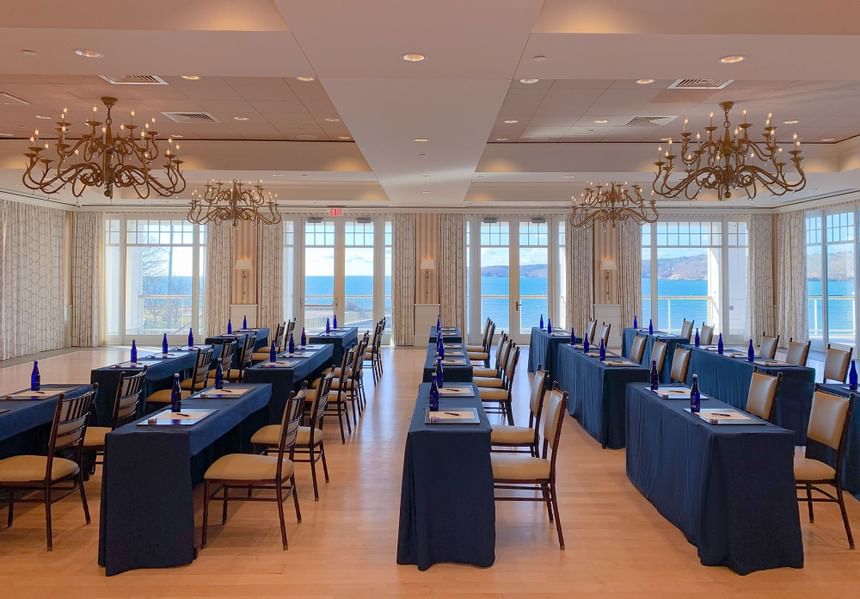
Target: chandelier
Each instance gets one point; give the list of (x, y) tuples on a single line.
[(103, 158), (728, 161), (235, 202), (611, 203)]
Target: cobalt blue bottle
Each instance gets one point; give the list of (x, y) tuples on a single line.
[(304, 338), (219, 375), (327, 326), (585, 344), (650, 326), (440, 376), (165, 348), (541, 322), (572, 336), (750, 352), (176, 395), (655, 376), (434, 394), (602, 351), (35, 377), (720, 344), (244, 323), (230, 326), (635, 322), (695, 396), (852, 377), (334, 321), (291, 347), (273, 353), (190, 337), (133, 352), (549, 325), (696, 339), (441, 349)]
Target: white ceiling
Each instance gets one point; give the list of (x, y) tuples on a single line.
[(801, 64)]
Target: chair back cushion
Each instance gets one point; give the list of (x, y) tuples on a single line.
[(70, 421), (680, 361), (797, 353), (706, 335), (637, 349), (511, 366), (537, 391), (827, 418), (686, 328), (658, 354), (604, 333), (590, 329), (836, 363), (767, 348), (128, 396), (761, 395), (553, 415)]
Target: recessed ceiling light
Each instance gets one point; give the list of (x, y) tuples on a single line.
[(732, 59), (501, 139), (306, 136), (421, 140), (791, 122), (43, 117), (828, 139), (425, 192), (88, 53), (539, 58), (306, 78), (177, 136), (28, 52), (644, 81), (332, 119), (240, 118), (413, 57), (5, 135), (344, 137), (277, 174), (529, 81), (191, 77), (600, 121), (569, 177), (511, 121)]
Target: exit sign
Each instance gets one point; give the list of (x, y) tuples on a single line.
[(335, 211)]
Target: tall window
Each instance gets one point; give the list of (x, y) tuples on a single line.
[(495, 282), (388, 302), (359, 267), (289, 266), (155, 277), (696, 271), (319, 273), (533, 273), (814, 278), (561, 312)]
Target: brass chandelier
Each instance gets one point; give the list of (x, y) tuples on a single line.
[(611, 203), (729, 161), (103, 158), (234, 202)]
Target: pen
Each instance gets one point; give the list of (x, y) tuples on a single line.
[(452, 413)]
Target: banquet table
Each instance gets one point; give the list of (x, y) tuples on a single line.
[(543, 349), (449, 335), (159, 375), (147, 502), (447, 510), (597, 392), (672, 341), (851, 465), (304, 364), (458, 373), (729, 488), (342, 339), (728, 379), (261, 341), (25, 423)]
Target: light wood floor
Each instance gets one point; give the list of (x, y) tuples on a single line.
[(617, 544)]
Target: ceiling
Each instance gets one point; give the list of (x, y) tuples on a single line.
[(347, 137)]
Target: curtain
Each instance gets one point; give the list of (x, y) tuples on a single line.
[(87, 236), (270, 254), (790, 277), (761, 275), (219, 268), (403, 279), (580, 279), (31, 270), (452, 269), (629, 270)]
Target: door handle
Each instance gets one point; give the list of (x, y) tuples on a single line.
[(517, 306)]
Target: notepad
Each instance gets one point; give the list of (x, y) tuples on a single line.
[(447, 362), (770, 363), (184, 418), (673, 392), (227, 393), (129, 365), (455, 354), (312, 347), (451, 391), (452, 416), (280, 364), (29, 395), (620, 363), (725, 416)]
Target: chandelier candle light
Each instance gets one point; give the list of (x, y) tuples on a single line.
[(103, 158), (611, 203), (235, 202), (729, 161)]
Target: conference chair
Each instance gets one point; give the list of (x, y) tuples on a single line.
[(798, 352), (484, 354), (499, 398), (687, 329), (767, 346), (129, 394), (280, 341), (517, 438), (228, 350), (495, 371), (836, 363), (680, 364), (590, 329), (761, 397), (706, 334), (637, 348), (198, 380), (496, 379), (658, 354), (604, 333)]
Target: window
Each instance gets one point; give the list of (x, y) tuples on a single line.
[(388, 302), (155, 272), (289, 266), (319, 273), (359, 267), (696, 271), (533, 273), (561, 312), (495, 282)]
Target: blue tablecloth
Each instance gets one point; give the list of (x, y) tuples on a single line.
[(261, 338), (447, 511), (452, 372), (159, 375), (284, 380), (147, 504), (543, 349), (25, 424), (730, 489), (596, 391), (851, 465), (672, 341), (728, 379), (342, 339), (455, 336)]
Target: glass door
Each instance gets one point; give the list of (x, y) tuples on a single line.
[(532, 266), (320, 300)]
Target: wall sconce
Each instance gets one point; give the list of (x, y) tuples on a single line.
[(607, 266), (244, 265), (428, 265)]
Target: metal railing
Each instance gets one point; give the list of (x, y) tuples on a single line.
[(836, 330)]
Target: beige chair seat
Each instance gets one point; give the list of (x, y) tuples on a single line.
[(247, 467), (335, 384), (512, 435), (163, 396), (508, 466), (270, 436), (488, 394), (474, 348), (95, 436), (31, 468), (479, 355), (485, 372), (260, 356), (809, 469), (231, 374), (488, 382), (336, 371)]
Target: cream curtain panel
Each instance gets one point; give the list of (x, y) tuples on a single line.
[(219, 268), (790, 277), (87, 237), (580, 279), (761, 275), (403, 279), (270, 254), (31, 271), (452, 269), (630, 271)]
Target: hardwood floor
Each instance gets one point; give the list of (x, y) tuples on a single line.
[(617, 543)]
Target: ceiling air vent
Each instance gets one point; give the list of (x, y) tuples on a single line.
[(190, 117), (134, 79), (7, 98), (701, 84), (650, 121), (490, 219)]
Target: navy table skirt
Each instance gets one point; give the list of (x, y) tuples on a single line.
[(672, 342), (452, 372), (341, 340), (543, 349), (147, 505), (851, 467), (597, 393), (730, 489), (285, 380), (159, 375), (728, 379), (447, 512), (448, 336), (25, 424)]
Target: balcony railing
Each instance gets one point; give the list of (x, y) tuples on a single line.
[(841, 320)]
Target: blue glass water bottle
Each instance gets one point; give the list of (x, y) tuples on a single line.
[(541, 322), (635, 322), (602, 350), (654, 376), (176, 395), (190, 337), (229, 326), (438, 322), (750, 352), (219, 375), (291, 346), (720, 344), (441, 350), (334, 321), (572, 335), (852, 377), (327, 326), (549, 325), (695, 396), (696, 339), (304, 338), (165, 348), (440, 376), (650, 326), (133, 352), (35, 377), (244, 322), (585, 344), (434, 394), (273, 353)]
